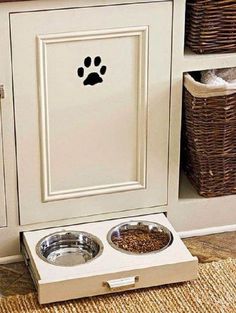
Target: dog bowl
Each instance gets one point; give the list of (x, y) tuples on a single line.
[(140, 237), (69, 248)]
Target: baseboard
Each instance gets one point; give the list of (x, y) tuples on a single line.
[(11, 259), (207, 231)]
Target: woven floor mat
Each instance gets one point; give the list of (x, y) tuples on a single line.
[(214, 291)]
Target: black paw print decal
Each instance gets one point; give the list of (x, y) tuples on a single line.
[(92, 78)]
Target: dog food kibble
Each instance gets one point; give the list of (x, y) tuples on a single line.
[(141, 240)]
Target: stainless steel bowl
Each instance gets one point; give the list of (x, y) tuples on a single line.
[(69, 248), (138, 225)]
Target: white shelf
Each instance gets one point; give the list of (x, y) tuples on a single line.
[(188, 193), (194, 213), (186, 189), (186, 209), (196, 62)]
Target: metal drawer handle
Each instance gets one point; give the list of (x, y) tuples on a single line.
[(122, 283), (2, 92)]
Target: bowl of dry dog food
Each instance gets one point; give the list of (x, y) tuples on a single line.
[(140, 237)]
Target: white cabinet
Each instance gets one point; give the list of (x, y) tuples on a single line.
[(93, 152), (2, 179), (91, 90), (2, 186)]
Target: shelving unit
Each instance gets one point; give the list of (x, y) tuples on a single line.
[(190, 213)]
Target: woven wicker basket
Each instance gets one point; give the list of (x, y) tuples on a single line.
[(209, 138), (211, 26)]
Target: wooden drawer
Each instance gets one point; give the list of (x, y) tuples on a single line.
[(113, 270), (91, 90)]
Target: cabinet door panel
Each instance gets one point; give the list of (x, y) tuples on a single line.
[(90, 138), (92, 109)]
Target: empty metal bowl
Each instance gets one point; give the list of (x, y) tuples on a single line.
[(69, 248), (140, 237)]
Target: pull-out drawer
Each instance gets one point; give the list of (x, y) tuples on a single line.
[(91, 92), (112, 269)]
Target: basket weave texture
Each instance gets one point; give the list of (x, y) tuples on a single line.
[(209, 143), (211, 26)]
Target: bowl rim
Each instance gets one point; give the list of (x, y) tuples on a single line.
[(113, 229), (89, 235)]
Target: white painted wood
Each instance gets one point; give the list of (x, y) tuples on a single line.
[(184, 234), (11, 259), (196, 62), (207, 231), (60, 283), (10, 245), (103, 148), (105, 152), (187, 211), (22, 6), (3, 218), (94, 285)]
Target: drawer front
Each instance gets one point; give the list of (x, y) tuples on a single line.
[(99, 285), (3, 220), (112, 270), (91, 88)]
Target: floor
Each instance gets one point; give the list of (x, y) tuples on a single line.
[(15, 278)]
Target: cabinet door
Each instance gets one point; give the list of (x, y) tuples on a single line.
[(2, 185), (91, 89)]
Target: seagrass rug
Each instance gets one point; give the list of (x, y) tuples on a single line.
[(214, 291)]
